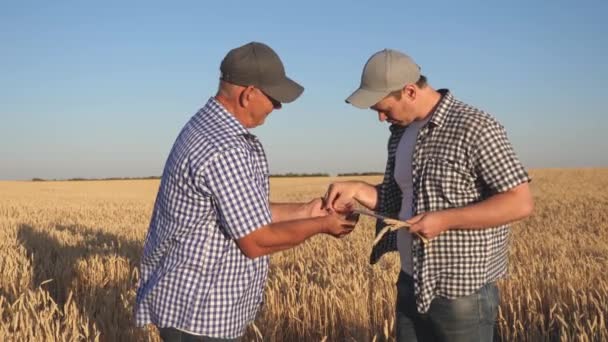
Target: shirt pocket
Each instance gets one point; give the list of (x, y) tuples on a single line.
[(445, 184)]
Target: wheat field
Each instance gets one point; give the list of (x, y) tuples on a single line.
[(69, 253)]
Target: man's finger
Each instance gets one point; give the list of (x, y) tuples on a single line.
[(332, 201), (414, 228), (415, 219), (327, 199)]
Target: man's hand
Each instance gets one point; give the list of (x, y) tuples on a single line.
[(341, 224), (315, 208), (342, 196), (429, 224), (499, 209)]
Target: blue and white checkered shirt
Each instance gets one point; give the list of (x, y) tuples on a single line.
[(214, 190)]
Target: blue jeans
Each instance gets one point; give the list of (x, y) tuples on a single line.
[(469, 318)]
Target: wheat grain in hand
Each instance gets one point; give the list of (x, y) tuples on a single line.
[(392, 225)]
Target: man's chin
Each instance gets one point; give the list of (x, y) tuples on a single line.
[(258, 124)]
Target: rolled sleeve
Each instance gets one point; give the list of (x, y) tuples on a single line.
[(495, 160), (239, 194)]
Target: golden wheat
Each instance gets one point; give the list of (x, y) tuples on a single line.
[(69, 253), (392, 225)]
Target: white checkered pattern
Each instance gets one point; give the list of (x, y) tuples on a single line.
[(214, 190), (462, 156)]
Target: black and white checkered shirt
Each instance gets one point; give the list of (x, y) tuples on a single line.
[(462, 156), (214, 191)]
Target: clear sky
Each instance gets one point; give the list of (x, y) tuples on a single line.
[(102, 89)]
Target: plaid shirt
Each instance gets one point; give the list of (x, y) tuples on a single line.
[(214, 190), (462, 156)]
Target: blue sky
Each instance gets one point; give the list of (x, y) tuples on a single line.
[(101, 90)]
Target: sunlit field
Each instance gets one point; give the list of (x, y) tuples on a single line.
[(69, 253)]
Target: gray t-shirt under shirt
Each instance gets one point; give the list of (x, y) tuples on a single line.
[(403, 177)]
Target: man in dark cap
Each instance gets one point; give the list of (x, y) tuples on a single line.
[(205, 258)]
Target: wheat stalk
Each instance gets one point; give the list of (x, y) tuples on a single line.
[(392, 225)]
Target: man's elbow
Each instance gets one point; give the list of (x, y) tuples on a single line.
[(250, 248), (521, 203), (526, 206), (252, 253)]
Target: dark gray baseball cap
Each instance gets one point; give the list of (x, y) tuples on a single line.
[(385, 71), (256, 64)]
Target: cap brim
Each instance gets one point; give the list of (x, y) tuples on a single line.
[(363, 98), (285, 92)]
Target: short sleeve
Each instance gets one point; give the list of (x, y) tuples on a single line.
[(495, 161), (238, 193)]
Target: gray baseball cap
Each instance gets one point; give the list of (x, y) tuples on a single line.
[(385, 71), (256, 64)]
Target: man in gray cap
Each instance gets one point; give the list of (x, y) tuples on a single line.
[(205, 257), (453, 175)]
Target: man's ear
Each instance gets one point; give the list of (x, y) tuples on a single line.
[(246, 96), (410, 92)]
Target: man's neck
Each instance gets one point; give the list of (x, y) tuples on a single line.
[(231, 108), (431, 99)]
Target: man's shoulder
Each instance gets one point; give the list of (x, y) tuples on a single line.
[(202, 140), (467, 122), (470, 116)]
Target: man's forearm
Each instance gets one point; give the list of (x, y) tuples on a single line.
[(497, 210), (367, 195), (287, 211), (282, 235)]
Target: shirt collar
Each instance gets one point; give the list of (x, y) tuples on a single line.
[(214, 109), (443, 107)]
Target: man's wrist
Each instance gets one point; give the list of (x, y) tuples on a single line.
[(303, 210), (359, 187), (321, 223), (447, 219)]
